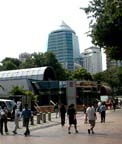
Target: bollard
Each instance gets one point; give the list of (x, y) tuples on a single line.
[(49, 116), (32, 120), (40, 115), (44, 117), (38, 118)]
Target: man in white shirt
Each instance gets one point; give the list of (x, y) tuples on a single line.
[(16, 118), (91, 116)]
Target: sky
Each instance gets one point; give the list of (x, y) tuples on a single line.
[(26, 24)]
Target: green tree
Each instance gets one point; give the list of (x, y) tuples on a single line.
[(50, 60), (69, 74), (35, 60), (29, 63), (20, 91), (10, 63), (99, 77), (45, 59), (106, 25), (111, 77), (17, 91), (81, 74)]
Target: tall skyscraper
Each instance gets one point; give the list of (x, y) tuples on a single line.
[(92, 60), (63, 42)]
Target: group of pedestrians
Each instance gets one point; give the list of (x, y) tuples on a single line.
[(90, 117), (71, 113), (26, 114)]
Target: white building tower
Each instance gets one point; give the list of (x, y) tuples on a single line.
[(92, 60)]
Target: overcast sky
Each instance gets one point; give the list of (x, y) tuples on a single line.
[(25, 24)]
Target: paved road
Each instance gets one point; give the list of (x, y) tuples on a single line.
[(105, 133)]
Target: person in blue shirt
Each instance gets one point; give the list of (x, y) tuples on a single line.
[(103, 112), (26, 114)]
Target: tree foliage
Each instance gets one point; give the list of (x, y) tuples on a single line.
[(112, 77), (106, 25), (81, 74), (10, 64), (20, 91), (13, 60), (45, 59), (17, 91)]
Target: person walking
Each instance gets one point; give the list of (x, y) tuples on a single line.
[(3, 120), (26, 114), (114, 105), (62, 114), (91, 116), (103, 112), (71, 112), (84, 110), (16, 119)]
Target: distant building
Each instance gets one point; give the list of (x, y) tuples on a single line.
[(63, 42), (92, 60), (24, 56)]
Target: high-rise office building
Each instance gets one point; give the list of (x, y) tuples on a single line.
[(92, 60), (63, 42)]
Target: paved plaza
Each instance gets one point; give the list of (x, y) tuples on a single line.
[(52, 132)]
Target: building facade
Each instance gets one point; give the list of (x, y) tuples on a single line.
[(63, 42), (24, 78), (92, 60)]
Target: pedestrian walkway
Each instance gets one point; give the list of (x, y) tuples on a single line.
[(113, 119), (52, 132)]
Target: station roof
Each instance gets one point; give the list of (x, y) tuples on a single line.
[(39, 73)]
